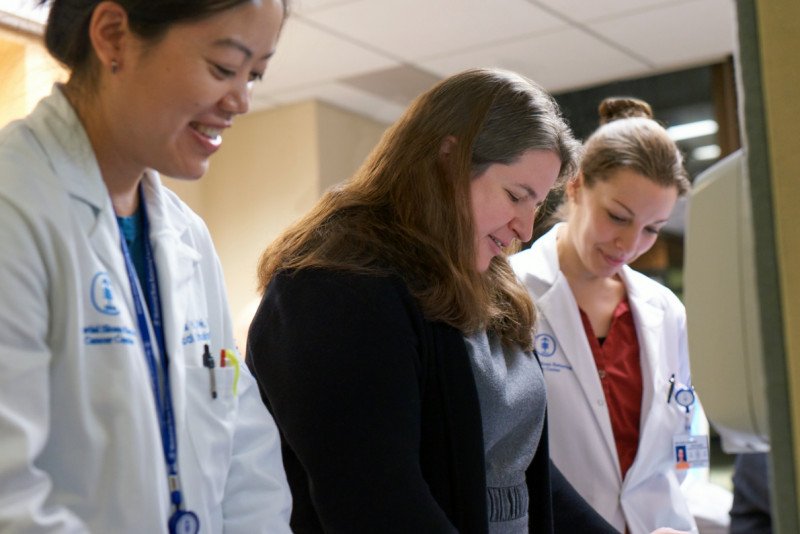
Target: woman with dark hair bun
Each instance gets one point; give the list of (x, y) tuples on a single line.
[(612, 341), (116, 413)]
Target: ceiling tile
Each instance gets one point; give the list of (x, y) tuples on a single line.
[(677, 35), (583, 11), (415, 29), (398, 84), (561, 60), (308, 6), (307, 56)]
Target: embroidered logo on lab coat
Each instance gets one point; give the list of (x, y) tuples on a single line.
[(103, 295), (545, 345)]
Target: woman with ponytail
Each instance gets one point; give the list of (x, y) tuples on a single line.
[(613, 342)]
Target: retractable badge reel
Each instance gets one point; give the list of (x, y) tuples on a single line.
[(184, 522), (690, 449)]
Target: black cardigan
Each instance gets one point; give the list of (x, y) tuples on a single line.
[(379, 416)]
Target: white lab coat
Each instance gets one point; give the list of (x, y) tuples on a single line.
[(80, 447), (581, 438)]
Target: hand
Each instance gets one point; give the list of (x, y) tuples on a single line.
[(666, 530)]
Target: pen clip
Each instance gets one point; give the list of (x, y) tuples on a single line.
[(671, 387), (208, 360)]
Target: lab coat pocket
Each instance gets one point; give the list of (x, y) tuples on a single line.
[(211, 423)]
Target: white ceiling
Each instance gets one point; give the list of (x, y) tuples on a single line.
[(339, 50), (373, 56)]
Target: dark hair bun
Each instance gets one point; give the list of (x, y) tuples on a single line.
[(614, 108)]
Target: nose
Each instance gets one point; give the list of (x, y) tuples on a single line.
[(627, 240), (522, 223), (237, 100)]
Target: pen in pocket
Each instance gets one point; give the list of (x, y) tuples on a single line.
[(208, 361), (228, 356)]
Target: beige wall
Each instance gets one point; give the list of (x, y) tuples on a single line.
[(344, 141), (272, 167), (12, 81), (27, 74), (43, 71)]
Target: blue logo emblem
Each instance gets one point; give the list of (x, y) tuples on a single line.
[(545, 344), (102, 294)]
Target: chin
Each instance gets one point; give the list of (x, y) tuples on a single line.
[(608, 272), (194, 172), (483, 266)]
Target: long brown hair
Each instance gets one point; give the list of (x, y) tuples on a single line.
[(407, 210)]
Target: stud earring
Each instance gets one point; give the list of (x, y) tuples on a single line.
[(114, 66)]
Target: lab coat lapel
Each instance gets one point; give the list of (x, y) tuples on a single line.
[(56, 125), (567, 327), (68, 148), (649, 321), (105, 239), (176, 262), (569, 332), (71, 156)]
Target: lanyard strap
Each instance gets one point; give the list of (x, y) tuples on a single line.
[(163, 400)]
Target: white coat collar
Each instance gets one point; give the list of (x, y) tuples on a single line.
[(544, 265), (543, 261), (56, 125), (63, 138), (167, 217), (541, 267), (558, 305), (177, 262)]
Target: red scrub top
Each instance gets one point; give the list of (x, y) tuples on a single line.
[(620, 372)]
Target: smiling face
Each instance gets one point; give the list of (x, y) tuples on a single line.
[(171, 100), (614, 221), (504, 200)]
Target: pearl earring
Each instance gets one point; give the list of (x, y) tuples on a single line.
[(114, 66)]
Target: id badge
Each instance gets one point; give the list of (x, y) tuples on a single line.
[(690, 451)]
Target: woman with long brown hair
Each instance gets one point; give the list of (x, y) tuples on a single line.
[(393, 342)]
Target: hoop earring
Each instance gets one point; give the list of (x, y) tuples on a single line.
[(114, 66)]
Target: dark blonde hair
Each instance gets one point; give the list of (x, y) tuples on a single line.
[(407, 210), (629, 138)]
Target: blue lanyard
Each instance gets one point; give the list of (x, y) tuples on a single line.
[(163, 402)]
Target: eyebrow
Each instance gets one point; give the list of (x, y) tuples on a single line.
[(528, 190), (623, 206), (229, 42), (630, 212)]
